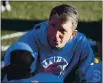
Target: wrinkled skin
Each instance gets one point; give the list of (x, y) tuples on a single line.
[(58, 32)]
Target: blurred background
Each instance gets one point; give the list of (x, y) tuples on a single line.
[(23, 15)]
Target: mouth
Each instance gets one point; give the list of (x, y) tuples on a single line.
[(55, 42)]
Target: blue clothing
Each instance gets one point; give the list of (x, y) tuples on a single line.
[(41, 77), (19, 46), (94, 73), (77, 53)]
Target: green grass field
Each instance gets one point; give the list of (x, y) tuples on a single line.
[(89, 11)]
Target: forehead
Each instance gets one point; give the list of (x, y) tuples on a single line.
[(55, 20)]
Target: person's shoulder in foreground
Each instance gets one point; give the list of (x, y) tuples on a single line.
[(20, 66), (18, 63)]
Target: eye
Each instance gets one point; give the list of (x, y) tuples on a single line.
[(62, 30)]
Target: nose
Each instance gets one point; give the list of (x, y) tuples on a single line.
[(57, 34)]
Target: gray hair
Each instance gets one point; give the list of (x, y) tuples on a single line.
[(66, 12)]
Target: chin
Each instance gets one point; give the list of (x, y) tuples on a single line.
[(59, 46), (55, 47)]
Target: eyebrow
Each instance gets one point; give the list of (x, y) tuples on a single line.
[(62, 28)]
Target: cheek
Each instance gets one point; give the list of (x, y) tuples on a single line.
[(70, 33), (52, 31), (67, 36)]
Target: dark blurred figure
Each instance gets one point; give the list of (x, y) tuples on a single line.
[(93, 30), (98, 38), (5, 6)]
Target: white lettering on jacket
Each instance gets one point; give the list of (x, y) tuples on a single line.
[(45, 63)]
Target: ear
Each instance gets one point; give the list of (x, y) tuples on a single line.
[(73, 34)]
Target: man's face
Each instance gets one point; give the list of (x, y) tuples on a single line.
[(59, 33)]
